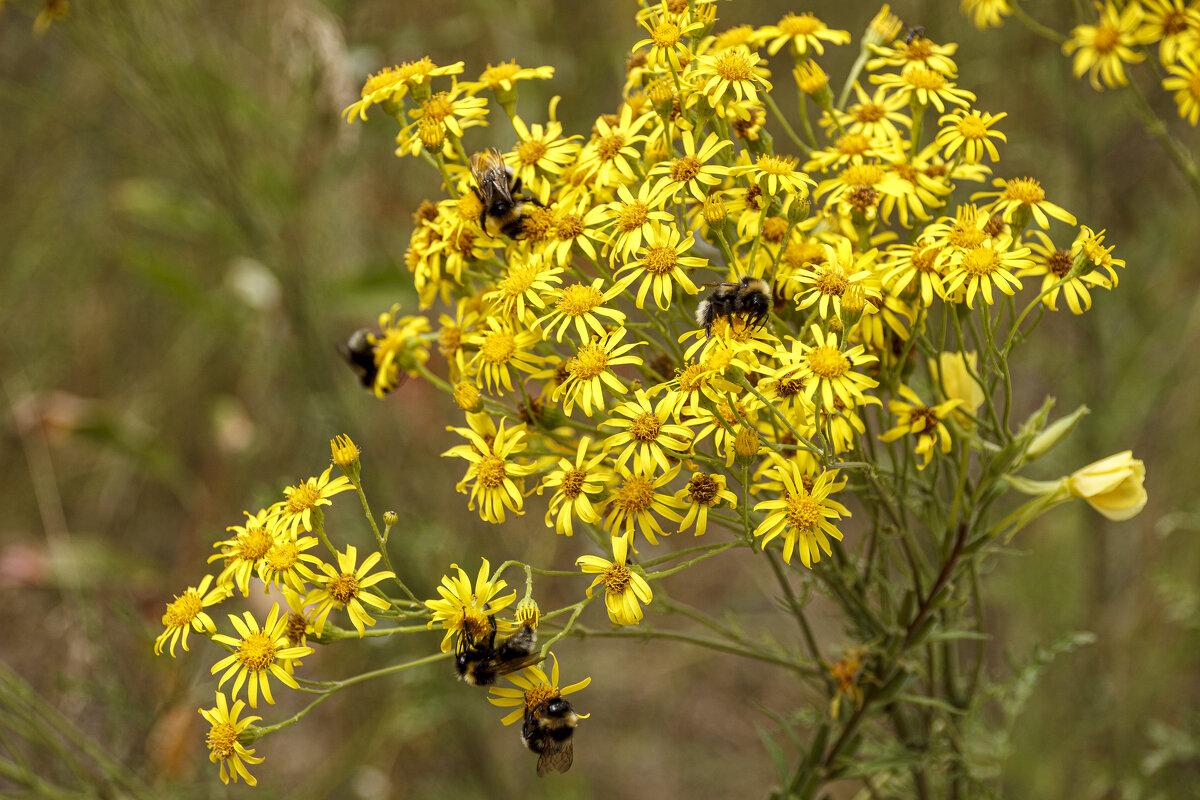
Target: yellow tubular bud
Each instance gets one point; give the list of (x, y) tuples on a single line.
[(1113, 486)]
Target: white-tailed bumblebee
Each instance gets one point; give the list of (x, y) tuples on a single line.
[(749, 297), (480, 661), (499, 190), (547, 731)]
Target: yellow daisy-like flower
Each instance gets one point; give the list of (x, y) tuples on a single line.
[(970, 131), (1174, 26), (609, 157), (399, 346), (541, 153), (660, 266), (704, 491), (243, 553), (392, 83), (1089, 246), (1021, 197), (667, 30), (915, 52), (924, 422), (343, 588), (990, 264), (953, 376), (632, 505), (534, 688), (986, 13), (443, 113), (520, 291), (258, 654), (1184, 81), (503, 347), (696, 382), (304, 500), (628, 218), (804, 515), (581, 306), (590, 370), (918, 268), (692, 170), (802, 32), (824, 284), (873, 117), (826, 369), (625, 591), (498, 482), (284, 563), (645, 433), (1103, 49), (927, 86), (575, 481), (222, 740), (734, 71), (465, 610), (186, 612), (502, 78), (1053, 265), (775, 174)]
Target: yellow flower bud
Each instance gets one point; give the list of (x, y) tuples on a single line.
[(1112, 486), (345, 455), (955, 378), (466, 395)]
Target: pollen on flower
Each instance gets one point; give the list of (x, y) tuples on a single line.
[(645, 428), (609, 146), (853, 144), (572, 483), (616, 578), (828, 362), (579, 299), (568, 226), (530, 151), (539, 694), (632, 216), (702, 489), (343, 588), (660, 260), (803, 512), (1059, 263), (183, 609), (685, 168), (980, 261), (498, 347), (301, 498), (665, 34), (861, 198), (220, 740), (921, 77), (282, 556), (590, 362), (257, 651), (491, 472), (733, 65), (862, 175), (636, 495), (832, 283), (1026, 191)]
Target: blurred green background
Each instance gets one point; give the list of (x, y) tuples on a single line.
[(187, 227)]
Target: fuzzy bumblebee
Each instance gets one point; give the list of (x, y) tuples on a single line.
[(749, 297)]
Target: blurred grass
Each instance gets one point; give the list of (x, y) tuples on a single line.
[(187, 228)]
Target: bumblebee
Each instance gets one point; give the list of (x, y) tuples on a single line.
[(499, 190), (480, 661), (749, 297), (914, 32), (359, 353), (547, 731)]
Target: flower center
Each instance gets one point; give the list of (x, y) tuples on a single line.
[(789, 387), (518, 280), (1059, 263), (801, 253), (802, 25), (254, 544), (922, 418), (660, 260), (438, 108), (862, 175), (498, 347), (733, 65), (803, 512), (1106, 39), (776, 165), (579, 299), (972, 127), (257, 651), (531, 151), (868, 112), (1026, 191), (632, 216), (491, 472), (591, 360), (282, 556), (568, 227), (539, 694), (702, 489), (925, 78), (853, 144), (828, 362), (182, 609), (636, 495), (692, 378), (493, 76), (220, 739), (343, 588), (1174, 22), (685, 168), (645, 428), (980, 261), (295, 629), (302, 498), (609, 146), (925, 259), (832, 283), (616, 579), (666, 34), (572, 483), (966, 237), (774, 228)]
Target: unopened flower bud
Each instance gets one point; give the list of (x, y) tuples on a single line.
[(1113, 486), (466, 395)]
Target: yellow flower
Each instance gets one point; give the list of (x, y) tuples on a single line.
[(990, 264), (803, 516), (692, 170), (825, 368), (873, 116), (534, 688), (1054, 265), (244, 552), (1184, 80), (589, 371), (924, 422), (499, 483), (541, 153), (343, 588), (392, 83), (222, 740), (734, 71), (284, 563), (305, 499), (628, 219), (575, 482), (775, 174), (1175, 27), (502, 79), (825, 283), (1113, 486), (659, 265), (520, 291), (443, 113), (803, 32), (186, 611), (918, 268), (1102, 50), (625, 591), (582, 305), (645, 434), (953, 377), (631, 505), (1021, 197), (464, 609), (986, 13), (609, 157), (666, 31), (915, 52), (258, 654), (399, 346), (927, 86), (970, 131), (503, 347), (703, 491)]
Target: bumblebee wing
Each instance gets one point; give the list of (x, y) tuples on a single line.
[(720, 285), (558, 757), (517, 664)]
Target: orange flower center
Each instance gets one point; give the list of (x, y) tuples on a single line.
[(343, 588), (256, 652)]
